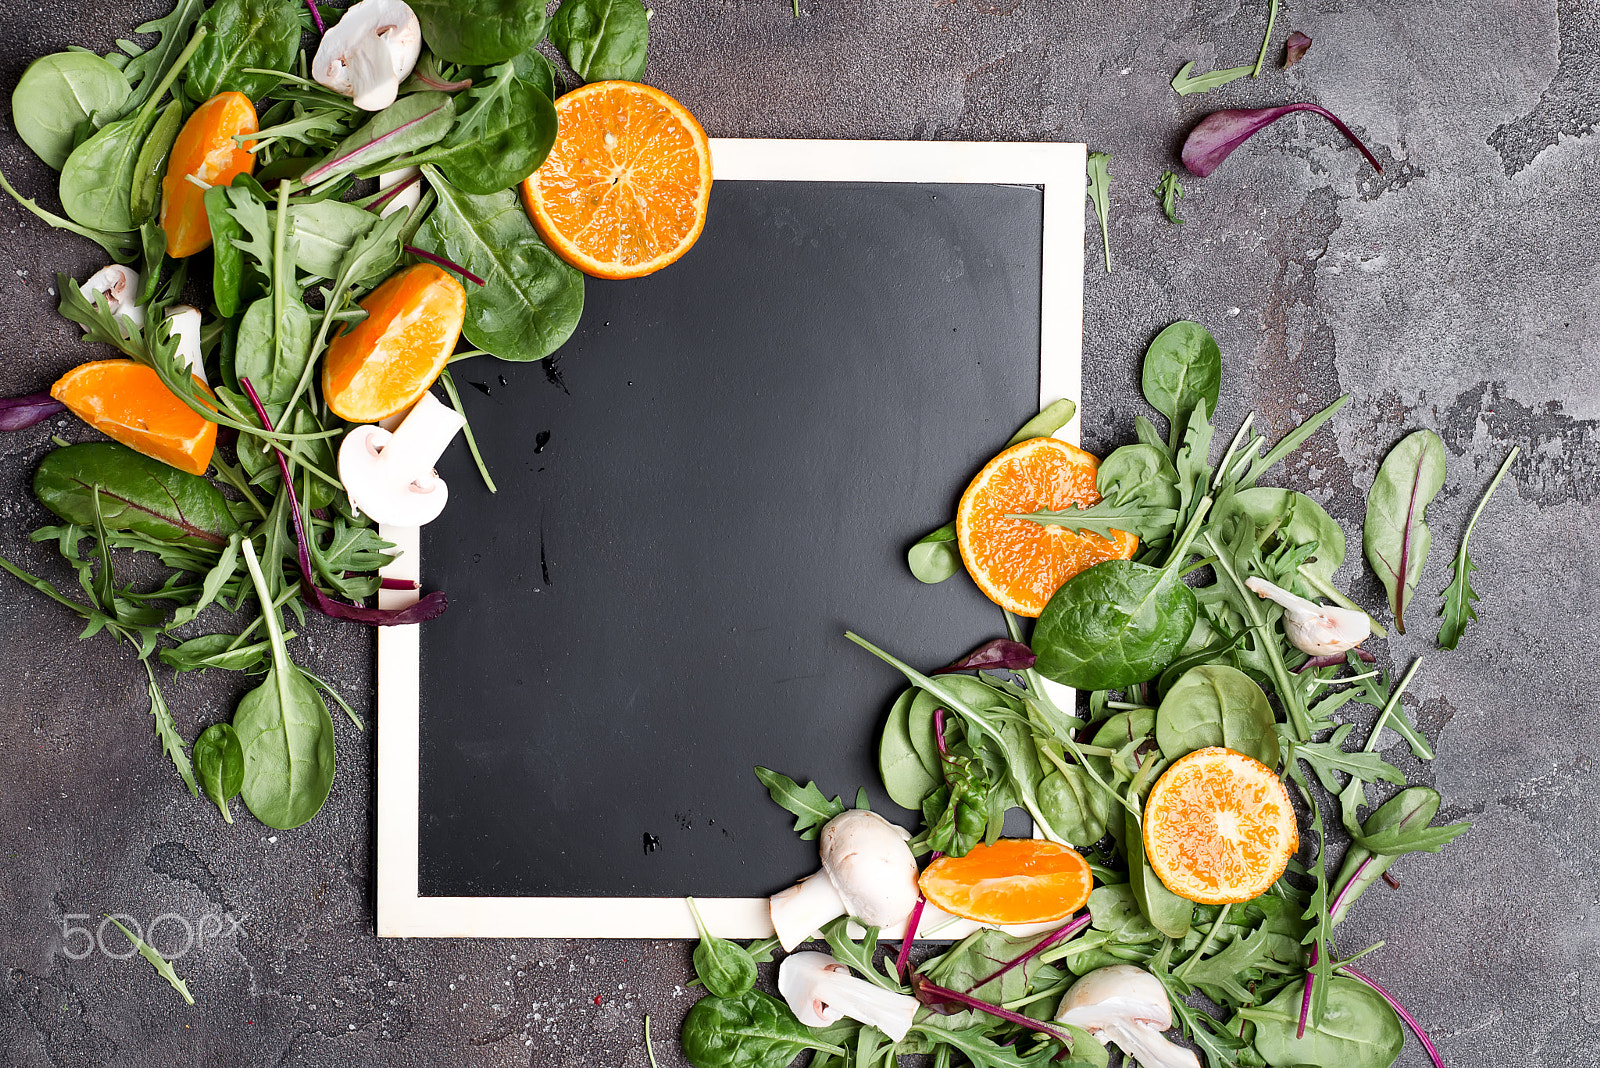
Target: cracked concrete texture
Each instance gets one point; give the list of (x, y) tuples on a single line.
[(1459, 291)]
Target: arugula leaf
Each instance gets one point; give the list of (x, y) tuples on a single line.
[(145, 66), (1226, 972), (1184, 85), (162, 966), (1106, 517), (1170, 193), (810, 806), (1100, 195), (1326, 758), (121, 247), (1459, 595), (167, 730), (1266, 39)]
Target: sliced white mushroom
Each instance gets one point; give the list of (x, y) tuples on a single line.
[(184, 321), (390, 476), (1314, 629), (409, 197), (820, 990), (370, 52), (121, 287), (1127, 1007), (868, 872)]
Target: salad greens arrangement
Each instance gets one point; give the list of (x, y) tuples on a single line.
[(1175, 653), (296, 246)]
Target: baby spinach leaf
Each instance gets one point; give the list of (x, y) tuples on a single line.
[(531, 300), (136, 493), (1357, 1029), (1396, 535), (936, 556), (218, 651), (1185, 85), (1459, 595), (1217, 705), (500, 139), (59, 93), (725, 968), (219, 762), (260, 34), (1166, 911), (162, 966), (810, 806), (167, 731), (120, 246), (1051, 417), (1076, 808), (1099, 167), (285, 732), (899, 762), (1294, 519), (753, 1030), (603, 40), (1182, 369), (1170, 192), (151, 166), (410, 124), (480, 32)]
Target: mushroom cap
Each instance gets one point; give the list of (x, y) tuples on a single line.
[(871, 866), (798, 978), (1116, 996), (371, 50), (120, 284)]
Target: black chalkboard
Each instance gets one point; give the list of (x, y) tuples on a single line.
[(709, 483)]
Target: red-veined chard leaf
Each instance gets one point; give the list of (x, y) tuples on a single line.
[(1221, 132)]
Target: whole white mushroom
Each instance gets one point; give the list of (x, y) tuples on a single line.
[(868, 872)]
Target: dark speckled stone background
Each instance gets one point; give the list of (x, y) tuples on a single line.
[(1459, 291)]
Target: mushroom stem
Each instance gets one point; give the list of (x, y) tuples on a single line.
[(1312, 628), (1148, 1046), (799, 911), (184, 321), (121, 288), (419, 441)]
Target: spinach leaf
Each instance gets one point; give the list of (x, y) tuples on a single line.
[(285, 732), (136, 493), (531, 300), (810, 806), (1051, 418), (120, 246), (1182, 369), (167, 731), (1185, 85), (1170, 193), (1217, 705), (321, 232), (500, 139), (1100, 196), (410, 124), (603, 40), (1075, 806), (1396, 535), (1293, 519), (1459, 595), (162, 966), (754, 1030), (151, 164), (936, 556), (227, 271), (219, 651), (899, 761), (219, 762), (480, 31), (97, 179), (725, 968), (1357, 1029), (260, 34), (1166, 911), (57, 94)]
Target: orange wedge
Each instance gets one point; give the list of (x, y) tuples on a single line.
[(392, 356), (1016, 880), (205, 149), (1018, 563), (127, 402), (625, 189), (1218, 827)]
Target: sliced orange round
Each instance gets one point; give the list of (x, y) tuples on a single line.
[(1016, 880), (625, 189), (1018, 563), (1218, 827), (207, 152), (390, 358), (128, 402)]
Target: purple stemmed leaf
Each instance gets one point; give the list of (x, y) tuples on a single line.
[(1334, 660), (1305, 998), (377, 206), (397, 584), (1221, 132), (943, 1000), (1411, 1022), (442, 262), (1295, 51), (1060, 934), (904, 956), (1001, 653), (430, 607), (414, 122), (316, 17), (19, 413)]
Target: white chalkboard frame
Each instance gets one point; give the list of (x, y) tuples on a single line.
[(1060, 170)]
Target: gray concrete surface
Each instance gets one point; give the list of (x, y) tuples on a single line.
[(1460, 291)]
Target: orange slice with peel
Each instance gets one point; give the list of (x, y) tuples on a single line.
[(389, 359), (128, 402), (1016, 880), (625, 189), (1218, 827), (1018, 563)]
